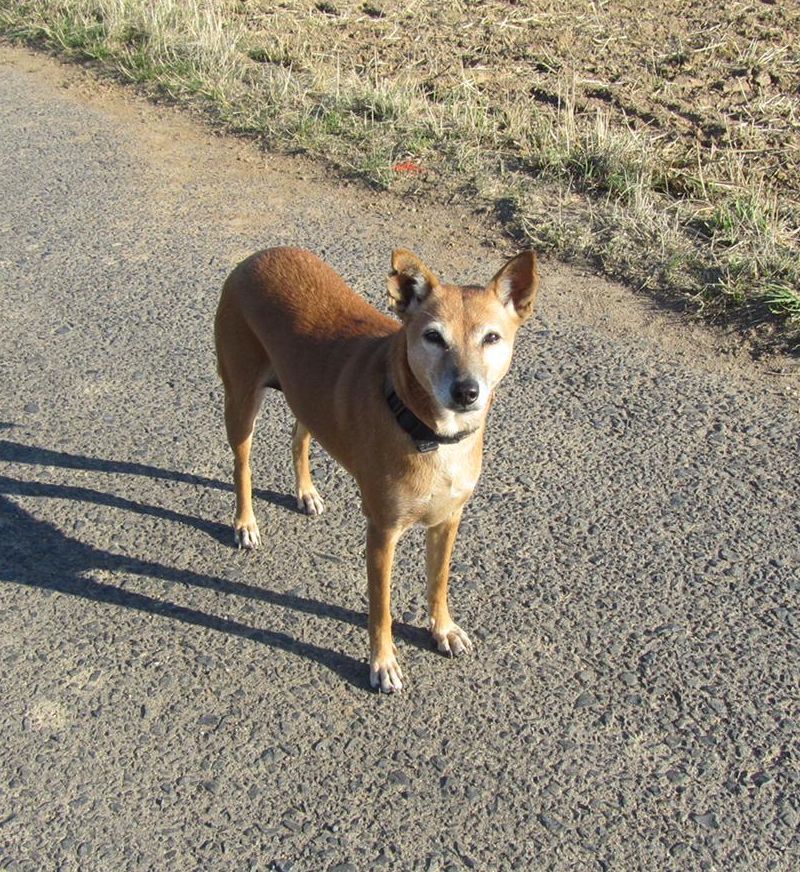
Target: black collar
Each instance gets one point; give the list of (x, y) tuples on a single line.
[(424, 438)]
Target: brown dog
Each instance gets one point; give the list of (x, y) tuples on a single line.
[(401, 405)]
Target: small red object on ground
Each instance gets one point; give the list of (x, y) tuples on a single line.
[(408, 166)]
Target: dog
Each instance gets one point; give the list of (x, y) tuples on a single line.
[(400, 404)]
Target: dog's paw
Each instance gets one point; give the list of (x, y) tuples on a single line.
[(310, 502), (246, 534), (451, 639), (385, 674)]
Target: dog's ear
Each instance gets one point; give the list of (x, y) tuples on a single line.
[(516, 284), (409, 282)]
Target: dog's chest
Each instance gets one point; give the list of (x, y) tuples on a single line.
[(452, 478)]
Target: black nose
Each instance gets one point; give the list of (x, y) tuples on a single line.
[(464, 392)]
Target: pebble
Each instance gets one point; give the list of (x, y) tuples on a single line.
[(399, 777), (718, 705), (675, 776), (707, 820), (551, 823)]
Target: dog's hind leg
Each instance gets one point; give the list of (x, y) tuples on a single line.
[(308, 498), (246, 373), (240, 416)]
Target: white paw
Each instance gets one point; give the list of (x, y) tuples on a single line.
[(247, 535), (451, 639), (310, 502), (385, 674)]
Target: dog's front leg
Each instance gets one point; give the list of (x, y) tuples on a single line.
[(384, 670), (449, 637)]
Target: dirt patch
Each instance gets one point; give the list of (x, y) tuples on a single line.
[(720, 85), (46, 715)]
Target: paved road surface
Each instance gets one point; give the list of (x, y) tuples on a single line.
[(628, 567)]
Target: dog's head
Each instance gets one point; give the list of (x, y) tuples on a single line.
[(459, 339)]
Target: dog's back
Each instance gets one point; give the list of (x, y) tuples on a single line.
[(290, 298), (304, 331)]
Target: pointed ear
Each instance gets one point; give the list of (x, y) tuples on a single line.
[(516, 284), (409, 282)]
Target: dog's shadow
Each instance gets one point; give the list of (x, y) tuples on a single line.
[(38, 554)]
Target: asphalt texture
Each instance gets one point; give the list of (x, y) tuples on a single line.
[(628, 567)]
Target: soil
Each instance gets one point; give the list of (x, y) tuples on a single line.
[(717, 83)]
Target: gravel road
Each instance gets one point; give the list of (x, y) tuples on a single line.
[(628, 567)]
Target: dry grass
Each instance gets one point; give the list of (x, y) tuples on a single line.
[(661, 145)]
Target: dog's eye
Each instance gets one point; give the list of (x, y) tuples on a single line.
[(491, 338), (435, 338)]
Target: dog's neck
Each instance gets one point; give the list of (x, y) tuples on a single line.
[(406, 385), (411, 393)]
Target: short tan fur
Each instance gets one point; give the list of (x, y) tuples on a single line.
[(286, 320)]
